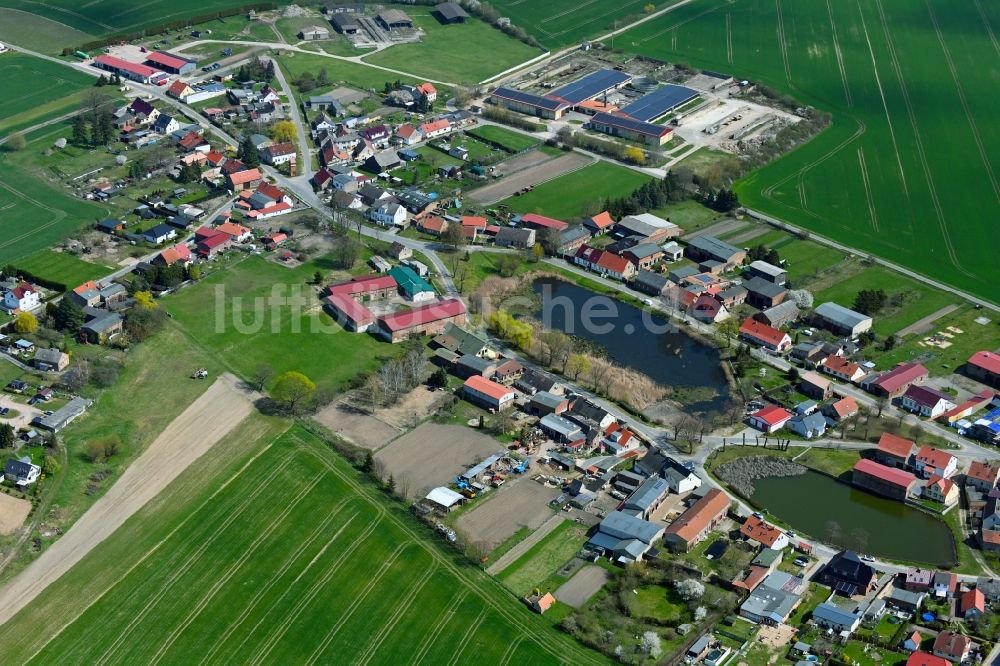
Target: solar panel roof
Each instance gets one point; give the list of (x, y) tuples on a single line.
[(529, 98), (659, 102), (629, 124), (591, 85)]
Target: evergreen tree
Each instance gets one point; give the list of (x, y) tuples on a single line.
[(248, 152), (80, 137), (68, 315)]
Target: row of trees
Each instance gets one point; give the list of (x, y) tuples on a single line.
[(94, 125), (255, 70), (679, 184), (613, 149), (394, 378)]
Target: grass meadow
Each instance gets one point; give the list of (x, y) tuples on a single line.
[(436, 56), (62, 267), (567, 196), (909, 168), (353, 74), (559, 23), (272, 549), (509, 140), (218, 314), (37, 91)]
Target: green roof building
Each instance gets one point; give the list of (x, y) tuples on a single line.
[(412, 285)]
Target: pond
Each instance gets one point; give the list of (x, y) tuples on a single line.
[(634, 338), (838, 513)]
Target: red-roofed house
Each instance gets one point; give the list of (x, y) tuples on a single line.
[(281, 208), (538, 602), (953, 646), (433, 225), (240, 180), (694, 524), (129, 70), (237, 232), (925, 659), (709, 309), (882, 480), (893, 450), (606, 263), (841, 409), (982, 476), (984, 366), (435, 128), (275, 239), (971, 604), (770, 418), (815, 386), (913, 641), (211, 245), (842, 369), (926, 401), (766, 336), (278, 154), (22, 298), (407, 135), (349, 313), (428, 90), (539, 222), (759, 530), (428, 319), (930, 461), (897, 380), (940, 489), (600, 223), (487, 394), (179, 253), (474, 221), (179, 90), (168, 62)]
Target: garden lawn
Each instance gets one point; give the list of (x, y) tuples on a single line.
[(440, 55), (350, 73), (62, 267), (658, 603), (230, 315), (271, 548), (568, 196), (508, 139), (544, 559), (37, 90), (908, 169), (689, 215)]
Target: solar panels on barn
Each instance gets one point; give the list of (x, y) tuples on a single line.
[(591, 85), (659, 102), (528, 98), (630, 124)]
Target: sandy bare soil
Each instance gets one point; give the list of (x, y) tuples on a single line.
[(220, 409), (925, 324), (25, 413), (414, 406), (513, 506), (432, 455), (580, 588), (13, 513), (532, 176), (355, 426)]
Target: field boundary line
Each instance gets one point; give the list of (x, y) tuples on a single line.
[(386, 629), (508, 559), (885, 104), (358, 600), (469, 633), (919, 143), (729, 37), (839, 54), (989, 28), (291, 560), (782, 44), (189, 561), (868, 189), (152, 550), (557, 646), (311, 592), (511, 649), (428, 642), (235, 567), (965, 103)]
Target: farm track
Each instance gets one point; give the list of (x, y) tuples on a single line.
[(988, 27), (868, 189), (919, 144), (782, 43), (386, 629), (839, 55), (511, 649), (464, 641), (429, 639)]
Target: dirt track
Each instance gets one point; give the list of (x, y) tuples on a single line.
[(535, 175), (13, 512), (220, 409)]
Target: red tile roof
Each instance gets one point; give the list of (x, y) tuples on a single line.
[(761, 531), (888, 474), (602, 220), (895, 445), (986, 360), (935, 458), (427, 88), (270, 191), (434, 126), (484, 386), (351, 309), (535, 220), (177, 88), (953, 644), (165, 59), (612, 262), (474, 221), (89, 285), (971, 600), (690, 524), (425, 314), (434, 224), (772, 415), (841, 365), (232, 229), (763, 332), (125, 65), (267, 210), (984, 471), (363, 285), (900, 376), (845, 407), (945, 485), (244, 177), (925, 659)]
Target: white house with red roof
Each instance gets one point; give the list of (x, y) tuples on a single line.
[(982, 475), (488, 394), (842, 368), (428, 90), (179, 89), (895, 382), (930, 461), (940, 489), (22, 298), (926, 401), (764, 533), (435, 128), (765, 336), (606, 263), (770, 419)]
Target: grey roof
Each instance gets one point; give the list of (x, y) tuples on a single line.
[(655, 281), (700, 645), (714, 247), (547, 399), (784, 311), (533, 380), (512, 235), (344, 22), (643, 250), (759, 285), (475, 363), (841, 316), (564, 427), (830, 613), (48, 355), (767, 557), (765, 268), (811, 422), (652, 489), (457, 339), (623, 526), (62, 416), (771, 603), (641, 225), (907, 597), (385, 158), (679, 274), (18, 467), (572, 234), (102, 322)]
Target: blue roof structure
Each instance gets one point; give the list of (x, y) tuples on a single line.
[(659, 102), (530, 98), (591, 85), (637, 126)]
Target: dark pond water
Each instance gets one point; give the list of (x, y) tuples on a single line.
[(838, 513), (634, 338)]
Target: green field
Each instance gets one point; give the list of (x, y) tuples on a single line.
[(544, 559), (909, 168), (353, 74), (567, 196), (509, 140), (37, 91), (436, 56), (557, 23), (271, 549), (294, 337), (38, 33), (62, 267)]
